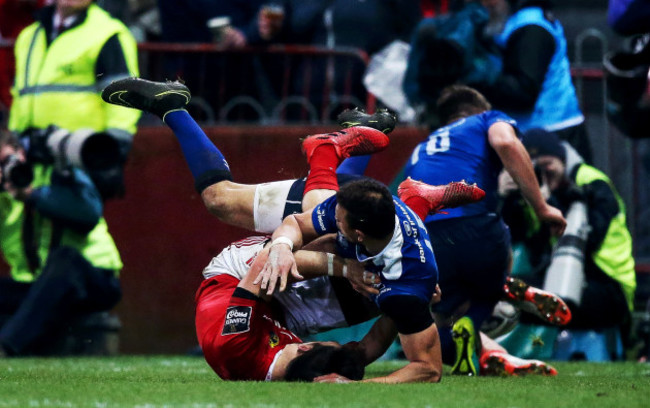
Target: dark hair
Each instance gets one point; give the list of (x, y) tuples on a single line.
[(369, 205), (460, 101), (322, 360)]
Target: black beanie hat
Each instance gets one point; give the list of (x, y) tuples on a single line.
[(540, 142)]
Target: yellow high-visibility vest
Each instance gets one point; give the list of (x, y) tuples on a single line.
[(57, 85), (97, 246), (614, 257)]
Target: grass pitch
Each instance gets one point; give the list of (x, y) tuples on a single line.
[(161, 381)]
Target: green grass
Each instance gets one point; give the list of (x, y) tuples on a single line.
[(160, 381)]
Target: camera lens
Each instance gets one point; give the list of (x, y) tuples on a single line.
[(17, 172)]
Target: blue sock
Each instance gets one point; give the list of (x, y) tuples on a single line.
[(354, 165), (207, 164)]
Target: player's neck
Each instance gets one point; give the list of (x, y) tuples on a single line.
[(374, 246), (280, 368)]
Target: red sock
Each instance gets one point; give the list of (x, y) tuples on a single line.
[(419, 205), (322, 169)]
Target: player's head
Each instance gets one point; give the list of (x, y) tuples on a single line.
[(365, 206), (460, 101), (320, 358)]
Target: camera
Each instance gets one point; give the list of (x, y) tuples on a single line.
[(84, 148), (17, 172), (100, 154)]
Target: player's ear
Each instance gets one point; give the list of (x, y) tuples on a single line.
[(304, 347)]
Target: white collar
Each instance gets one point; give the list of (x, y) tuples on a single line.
[(269, 374), (67, 22)]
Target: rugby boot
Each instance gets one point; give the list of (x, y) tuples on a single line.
[(450, 195), (467, 347), (353, 141), (503, 364), (158, 98), (382, 120), (545, 305)]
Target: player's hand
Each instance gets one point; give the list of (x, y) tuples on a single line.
[(279, 264), (333, 378), (361, 280), (554, 217)]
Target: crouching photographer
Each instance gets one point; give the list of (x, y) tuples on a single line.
[(64, 263)]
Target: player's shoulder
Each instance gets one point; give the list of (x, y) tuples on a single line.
[(493, 116)]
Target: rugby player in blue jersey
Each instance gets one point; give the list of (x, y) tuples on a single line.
[(390, 239), (471, 243)]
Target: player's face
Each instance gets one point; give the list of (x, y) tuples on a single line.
[(343, 226)]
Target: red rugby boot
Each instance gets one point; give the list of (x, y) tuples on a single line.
[(451, 195), (546, 305), (503, 364), (353, 141)]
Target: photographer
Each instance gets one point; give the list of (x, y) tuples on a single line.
[(609, 276), (64, 263), (63, 61)]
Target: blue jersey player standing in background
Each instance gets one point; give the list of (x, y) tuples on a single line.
[(472, 243)]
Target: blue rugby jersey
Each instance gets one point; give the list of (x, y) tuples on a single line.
[(461, 151), (406, 265)]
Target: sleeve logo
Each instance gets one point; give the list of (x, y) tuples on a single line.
[(238, 320)]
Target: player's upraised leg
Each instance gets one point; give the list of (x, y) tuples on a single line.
[(326, 151), (230, 202), (426, 199)]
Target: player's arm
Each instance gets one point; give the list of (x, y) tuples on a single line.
[(294, 231), (516, 161), (422, 350), (312, 264), (375, 343), (419, 339)]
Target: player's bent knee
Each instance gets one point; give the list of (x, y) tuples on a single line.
[(230, 202), (217, 200)]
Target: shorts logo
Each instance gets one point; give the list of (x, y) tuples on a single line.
[(238, 320)]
